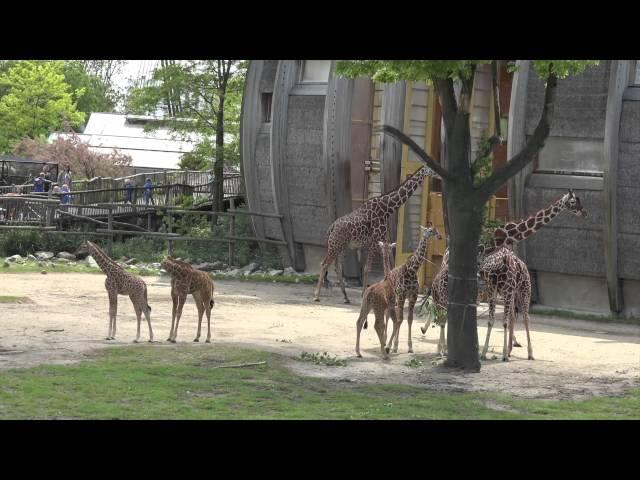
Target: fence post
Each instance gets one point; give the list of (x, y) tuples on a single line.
[(232, 230), (110, 226)]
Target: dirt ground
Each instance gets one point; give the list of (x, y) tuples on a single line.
[(574, 359)]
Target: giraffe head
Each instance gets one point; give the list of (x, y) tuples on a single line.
[(84, 249), (430, 231), (572, 203), (386, 246)]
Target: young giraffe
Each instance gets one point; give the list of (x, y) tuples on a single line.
[(508, 276), (507, 234), (120, 282), (381, 298), (364, 227), (187, 280), (405, 285)]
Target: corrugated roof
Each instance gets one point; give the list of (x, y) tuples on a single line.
[(125, 133)]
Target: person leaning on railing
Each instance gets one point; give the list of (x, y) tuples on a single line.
[(128, 191)]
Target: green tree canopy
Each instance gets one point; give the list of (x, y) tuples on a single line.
[(37, 101)]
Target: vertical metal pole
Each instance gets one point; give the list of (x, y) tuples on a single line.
[(232, 230)]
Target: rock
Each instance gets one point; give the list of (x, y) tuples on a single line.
[(155, 265), (252, 267), (275, 273), (91, 262), (131, 261), (14, 259), (66, 255), (205, 267), (43, 272), (233, 273), (61, 260), (217, 265), (290, 271), (246, 273), (44, 255), (31, 258)]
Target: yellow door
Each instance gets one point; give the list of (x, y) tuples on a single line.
[(423, 206)]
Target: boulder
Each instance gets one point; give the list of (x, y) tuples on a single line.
[(252, 267), (131, 261), (91, 262), (66, 255), (205, 267), (61, 260), (290, 271), (275, 273), (233, 273), (155, 265), (44, 255), (31, 258), (14, 259)]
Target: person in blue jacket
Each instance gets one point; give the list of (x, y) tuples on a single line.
[(38, 183), (128, 191), (148, 192)]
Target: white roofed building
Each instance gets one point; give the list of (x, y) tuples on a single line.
[(156, 150)]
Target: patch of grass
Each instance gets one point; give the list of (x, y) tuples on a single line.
[(323, 359), (413, 363), (33, 267), (13, 299), (179, 382), (557, 312)]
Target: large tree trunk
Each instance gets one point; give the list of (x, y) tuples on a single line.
[(462, 333)]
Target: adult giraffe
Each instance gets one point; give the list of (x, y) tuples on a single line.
[(365, 227)]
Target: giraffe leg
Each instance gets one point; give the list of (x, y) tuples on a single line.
[(508, 306), (200, 307), (339, 262), (380, 329), (113, 312), (442, 343), (181, 300), (492, 311), (207, 310), (324, 266), (138, 311), (367, 267), (174, 308), (412, 302), (359, 323), (393, 313), (395, 336), (526, 327)]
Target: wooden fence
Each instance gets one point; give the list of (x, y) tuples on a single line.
[(23, 212)]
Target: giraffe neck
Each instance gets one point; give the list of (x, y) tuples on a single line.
[(394, 199), (419, 256), (175, 269), (385, 260), (514, 232), (107, 265)]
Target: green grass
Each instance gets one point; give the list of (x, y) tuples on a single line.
[(14, 299), (181, 382), (33, 267), (557, 312)]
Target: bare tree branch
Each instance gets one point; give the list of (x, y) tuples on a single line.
[(533, 146), (424, 156), (496, 97)]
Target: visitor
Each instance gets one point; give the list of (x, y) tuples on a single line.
[(47, 179), (65, 176), (66, 197), (148, 192), (38, 183), (128, 191)]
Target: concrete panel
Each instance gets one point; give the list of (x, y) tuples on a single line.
[(571, 154), (629, 256), (580, 105), (631, 293), (574, 292)]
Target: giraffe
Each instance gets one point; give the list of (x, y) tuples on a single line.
[(365, 226), (187, 280), (504, 235), (120, 282), (405, 284), (508, 276), (381, 298)]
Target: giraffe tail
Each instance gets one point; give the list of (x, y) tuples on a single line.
[(145, 298), (211, 302), (364, 310)]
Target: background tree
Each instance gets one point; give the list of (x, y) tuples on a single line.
[(93, 80), (84, 162), (201, 97), (466, 193), (36, 101)]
